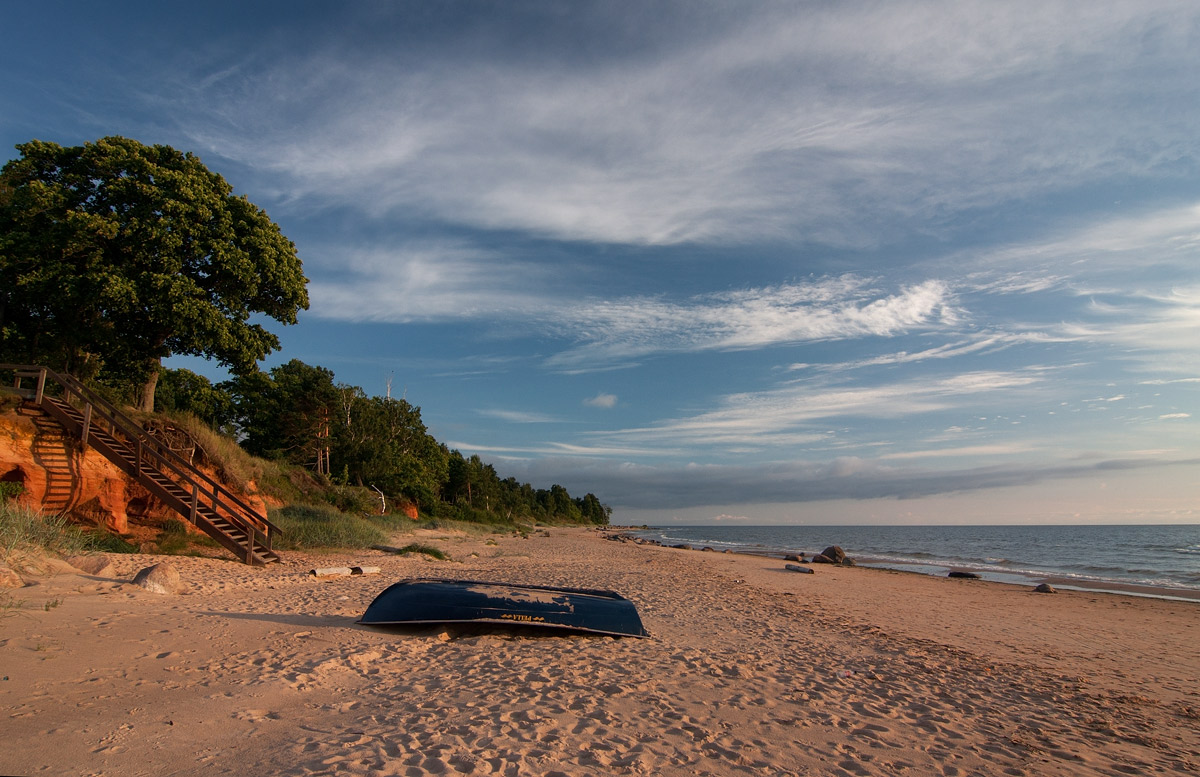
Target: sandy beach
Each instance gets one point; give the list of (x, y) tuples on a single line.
[(750, 669)]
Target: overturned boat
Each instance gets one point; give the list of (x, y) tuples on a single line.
[(425, 601)]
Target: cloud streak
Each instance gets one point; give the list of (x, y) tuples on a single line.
[(860, 118), (832, 309), (798, 414), (676, 487)]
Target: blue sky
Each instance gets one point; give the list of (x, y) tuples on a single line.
[(811, 262)]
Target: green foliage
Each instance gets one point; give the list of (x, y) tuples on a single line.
[(114, 255), (383, 443), (10, 490), (285, 415), (8, 401), (474, 492), (356, 500), (182, 391), (295, 413), (175, 537), (107, 542), (314, 526)]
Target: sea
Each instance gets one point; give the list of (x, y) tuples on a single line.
[(1161, 561)]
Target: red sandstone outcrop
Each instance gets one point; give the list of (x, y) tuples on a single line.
[(59, 475)]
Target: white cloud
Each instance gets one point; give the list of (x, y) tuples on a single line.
[(830, 309), (519, 417), (606, 401), (422, 281), (1008, 449), (1174, 416)]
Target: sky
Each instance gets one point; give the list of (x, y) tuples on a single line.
[(740, 262)]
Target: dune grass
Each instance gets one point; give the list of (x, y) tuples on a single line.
[(22, 528), (320, 526)]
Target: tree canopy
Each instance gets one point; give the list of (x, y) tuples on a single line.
[(296, 413), (114, 255)]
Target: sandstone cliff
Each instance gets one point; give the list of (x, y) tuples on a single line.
[(59, 475)]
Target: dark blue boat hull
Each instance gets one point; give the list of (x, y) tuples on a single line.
[(424, 601)]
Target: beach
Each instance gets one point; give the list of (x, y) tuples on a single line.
[(749, 669)]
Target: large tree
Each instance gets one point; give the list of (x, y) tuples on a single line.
[(114, 255)]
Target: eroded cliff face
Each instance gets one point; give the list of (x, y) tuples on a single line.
[(59, 475)]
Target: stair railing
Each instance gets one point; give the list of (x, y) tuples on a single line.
[(148, 452)]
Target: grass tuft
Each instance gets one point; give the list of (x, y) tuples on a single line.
[(22, 528), (428, 550)]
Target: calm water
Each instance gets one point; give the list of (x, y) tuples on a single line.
[(1154, 560)]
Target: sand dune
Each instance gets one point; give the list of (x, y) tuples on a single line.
[(750, 669)]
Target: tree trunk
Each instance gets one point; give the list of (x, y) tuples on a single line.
[(146, 399)]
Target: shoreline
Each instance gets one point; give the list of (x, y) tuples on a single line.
[(941, 568), (749, 668)]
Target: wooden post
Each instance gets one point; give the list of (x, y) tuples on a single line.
[(87, 421)]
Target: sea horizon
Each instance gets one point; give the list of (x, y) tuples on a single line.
[(1155, 560)]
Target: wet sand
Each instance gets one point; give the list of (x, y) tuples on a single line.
[(750, 669)]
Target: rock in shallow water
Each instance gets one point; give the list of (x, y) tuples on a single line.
[(834, 553)]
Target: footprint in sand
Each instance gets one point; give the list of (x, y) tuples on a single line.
[(255, 716)]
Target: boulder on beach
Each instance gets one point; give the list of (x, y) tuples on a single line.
[(1045, 588), (160, 579), (96, 565), (9, 578), (821, 558), (794, 557), (963, 575)]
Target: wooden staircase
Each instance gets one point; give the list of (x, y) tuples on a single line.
[(202, 501)]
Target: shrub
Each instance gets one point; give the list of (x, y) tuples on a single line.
[(10, 490), (354, 499), (175, 537), (107, 542)]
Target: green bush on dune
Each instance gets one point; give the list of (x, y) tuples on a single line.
[(314, 526)]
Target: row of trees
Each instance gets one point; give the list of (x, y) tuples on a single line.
[(298, 414)]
